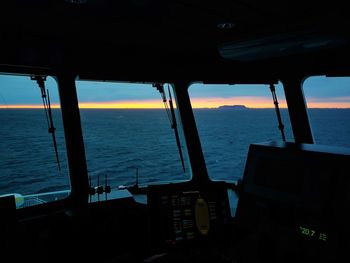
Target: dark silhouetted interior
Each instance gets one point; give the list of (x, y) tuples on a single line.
[(294, 198)]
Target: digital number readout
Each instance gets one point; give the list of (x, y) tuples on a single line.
[(312, 233)]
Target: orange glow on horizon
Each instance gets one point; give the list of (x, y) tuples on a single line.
[(28, 106), (145, 104), (261, 102), (248, 101), (334, 102), (328, 105), (213, 102)]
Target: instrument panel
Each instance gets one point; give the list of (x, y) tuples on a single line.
[(181, 215)]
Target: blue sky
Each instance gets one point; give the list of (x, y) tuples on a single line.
[(318, 91)]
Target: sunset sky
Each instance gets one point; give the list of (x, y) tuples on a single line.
[(320, 92)]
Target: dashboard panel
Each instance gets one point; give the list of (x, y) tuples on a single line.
[(187, 216)]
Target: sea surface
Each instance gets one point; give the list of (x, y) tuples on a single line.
[(125, 145)]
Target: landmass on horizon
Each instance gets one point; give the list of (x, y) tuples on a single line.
[(232, 107)]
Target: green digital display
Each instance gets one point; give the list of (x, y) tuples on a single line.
[(313, 233)]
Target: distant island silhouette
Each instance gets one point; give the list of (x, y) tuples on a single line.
[(232, 107)]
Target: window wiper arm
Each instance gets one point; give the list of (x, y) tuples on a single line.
[(172, 118), (174, 126), (279, 118), (48, 112)]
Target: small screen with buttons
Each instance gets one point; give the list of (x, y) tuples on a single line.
[(186, 216)]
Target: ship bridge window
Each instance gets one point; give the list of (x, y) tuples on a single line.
[(231, 117), (30, 170), (328, 101), (128, 135)]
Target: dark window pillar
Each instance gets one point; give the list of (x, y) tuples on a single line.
[(74, 138), (199, 170), (297, 110)]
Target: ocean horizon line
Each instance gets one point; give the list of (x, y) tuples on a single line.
[(234, 107), (159, 108)]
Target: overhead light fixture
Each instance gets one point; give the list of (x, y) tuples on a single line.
[(273, 46), (76, 2), (226, 25)]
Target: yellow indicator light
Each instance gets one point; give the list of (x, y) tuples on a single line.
[(202, 216)]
